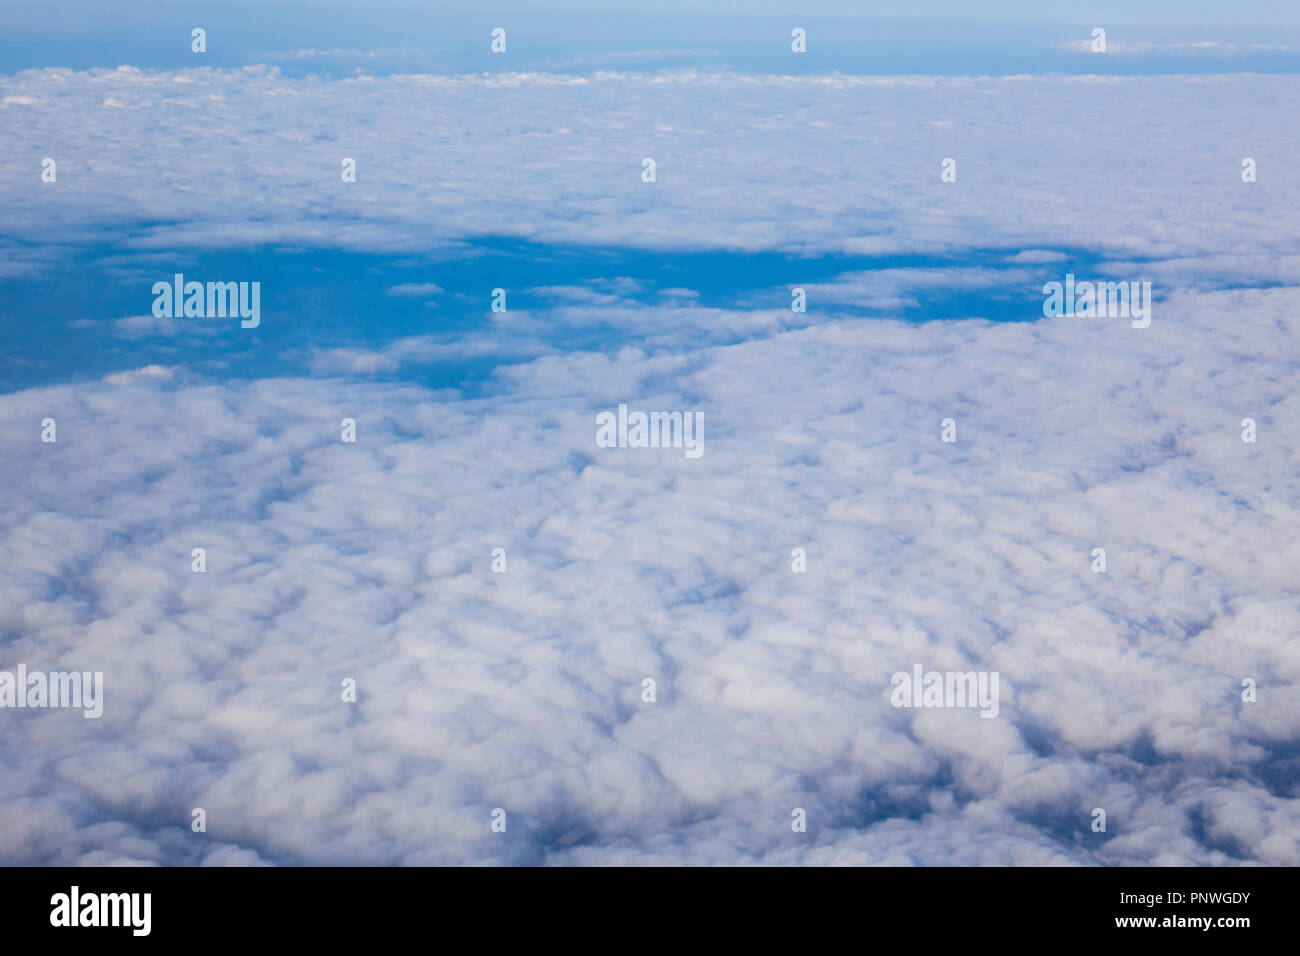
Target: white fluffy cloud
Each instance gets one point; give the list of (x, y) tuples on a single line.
[(521, 690), (1143, 166)]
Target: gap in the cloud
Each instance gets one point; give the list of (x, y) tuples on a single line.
[(429, 319)]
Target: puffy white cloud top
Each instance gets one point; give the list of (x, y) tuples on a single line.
[(522, 690), (1140, 165), (372, 561)]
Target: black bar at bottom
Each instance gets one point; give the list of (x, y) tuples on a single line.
[(643, 907)]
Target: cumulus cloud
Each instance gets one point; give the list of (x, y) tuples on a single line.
[(421, 350), (328, 560), (415, 290), (136, 375), (152, 326)]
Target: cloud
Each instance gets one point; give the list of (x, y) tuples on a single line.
[(889, 290), (422, 350), (138, 327), (1134, 47), (808, 165), (1035, 256), (371, 560), (147, 326), (415, 290), (140, 374), (521, 690)]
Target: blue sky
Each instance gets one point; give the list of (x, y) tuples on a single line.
[(523, 688), (388, 36)]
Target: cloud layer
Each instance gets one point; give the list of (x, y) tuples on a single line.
[(1143, 166), (521, 690)]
